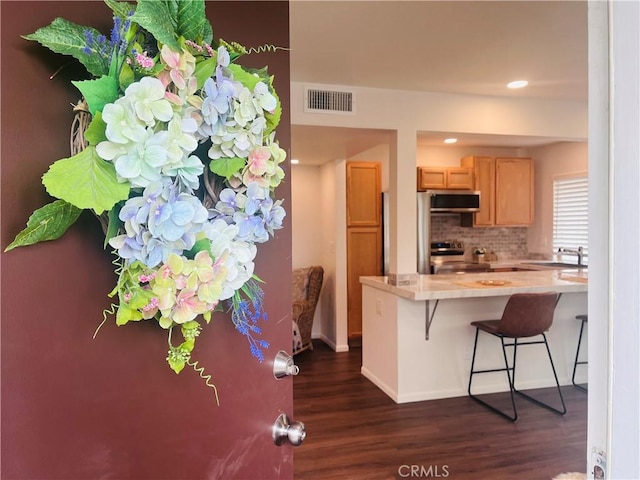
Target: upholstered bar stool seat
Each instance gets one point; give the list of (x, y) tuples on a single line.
[(525, 316), (583, 319)]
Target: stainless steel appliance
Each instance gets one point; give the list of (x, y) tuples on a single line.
[(448, 257), (431, 202), (453, 201)]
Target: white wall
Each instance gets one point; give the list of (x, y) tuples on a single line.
[(551, 162), (306, 213), (450, 155)]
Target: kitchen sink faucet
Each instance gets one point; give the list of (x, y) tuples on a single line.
[(578, 252)]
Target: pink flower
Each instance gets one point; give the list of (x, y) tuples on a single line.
[(258, 160), (187, 307)]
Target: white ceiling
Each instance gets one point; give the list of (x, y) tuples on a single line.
[(472, 47)]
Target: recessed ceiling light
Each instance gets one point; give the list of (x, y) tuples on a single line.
[(450, 140), (517, 84), (294, 161)]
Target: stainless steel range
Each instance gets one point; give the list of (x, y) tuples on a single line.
[(448, 257)]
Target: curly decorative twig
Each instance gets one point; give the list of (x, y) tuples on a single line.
[(111, 310), (265, 48), (206, 378)]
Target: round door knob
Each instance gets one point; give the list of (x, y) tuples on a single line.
[(283, 365), (284, 430)]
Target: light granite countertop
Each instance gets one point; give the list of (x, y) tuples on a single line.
[(468, 285)]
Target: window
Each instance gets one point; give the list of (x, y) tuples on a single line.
[(571, 213)]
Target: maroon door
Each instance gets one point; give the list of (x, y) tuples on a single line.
[(109, 407)]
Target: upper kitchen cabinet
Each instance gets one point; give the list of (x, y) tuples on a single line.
[(506, 189), (445, 178), (514, 191), (484, 174)]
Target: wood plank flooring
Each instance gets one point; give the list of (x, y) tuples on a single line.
[(354, 431)]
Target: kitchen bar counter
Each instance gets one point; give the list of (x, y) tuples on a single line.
[(435, 287), (417, 339)]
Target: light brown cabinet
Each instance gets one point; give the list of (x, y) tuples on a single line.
[(514, 191), (364, 236), (363, 194), (506, 190), (445, 178)]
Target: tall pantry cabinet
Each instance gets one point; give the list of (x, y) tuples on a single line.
[(364, 235), (506, 190)]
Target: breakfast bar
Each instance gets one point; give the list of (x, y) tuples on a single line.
[(417, 340)]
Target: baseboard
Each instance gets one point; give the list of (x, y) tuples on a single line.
[(379, 383), (332, 344), (448, 393)]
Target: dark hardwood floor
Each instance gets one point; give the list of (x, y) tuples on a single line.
[(354, 431)]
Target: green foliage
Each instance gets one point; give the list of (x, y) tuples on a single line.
[(129, 310), (95, 132), (226, 167), (180, 355), (47, 223), (97, 93), (113, 226), (86, 181), (204, 70), (168, 20), (68, 38), (246, 76), (273, 118), (121, 9), (200, 245), (126, 77)]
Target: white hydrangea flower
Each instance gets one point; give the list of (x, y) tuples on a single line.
[(147, 99)]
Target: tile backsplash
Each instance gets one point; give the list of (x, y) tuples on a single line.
[(506, 242)]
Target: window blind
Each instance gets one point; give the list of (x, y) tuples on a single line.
[(571, 213)]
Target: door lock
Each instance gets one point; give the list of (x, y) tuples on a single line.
[(283, 365), (284, 430)]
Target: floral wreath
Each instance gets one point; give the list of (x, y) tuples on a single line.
[(173, 148)]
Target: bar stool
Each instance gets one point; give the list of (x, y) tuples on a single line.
[(525, 315), (583, 319)]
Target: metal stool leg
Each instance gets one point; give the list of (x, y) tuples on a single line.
[(514, 416), (511, 377), (555, 376), (576, 362)]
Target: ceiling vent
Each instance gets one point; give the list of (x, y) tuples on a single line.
[(328, 101)]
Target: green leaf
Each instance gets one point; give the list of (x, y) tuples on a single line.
[(273, 118), (126, 77), (191, 18), (96, 131), (114, 225), (68, 38), (126, 314), (226, 167), (86, 181), (246, 78), (176, 363), (158, 17), (121, 9), (98, 92), (207, 33), (46, 223), (204, 70), (200, 245)]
